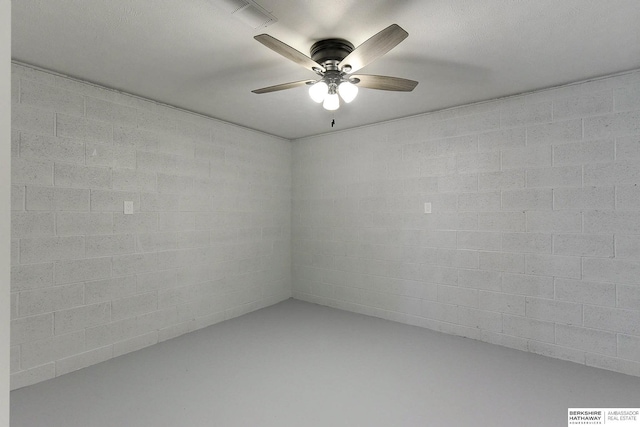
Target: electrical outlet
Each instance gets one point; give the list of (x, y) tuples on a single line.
[(427, 208), (128, 208)]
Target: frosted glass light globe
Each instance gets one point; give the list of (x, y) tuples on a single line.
[(318, 91), (348, 91)]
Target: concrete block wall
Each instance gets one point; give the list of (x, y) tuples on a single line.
[(534, 237), (209, 238)]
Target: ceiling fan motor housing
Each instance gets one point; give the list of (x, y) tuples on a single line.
[(330, 52)]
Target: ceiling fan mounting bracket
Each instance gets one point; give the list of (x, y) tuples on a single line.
[(332, 51)]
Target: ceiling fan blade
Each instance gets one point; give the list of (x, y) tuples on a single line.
[(374, 47), (283, 86), (385, 83), (288, 52)]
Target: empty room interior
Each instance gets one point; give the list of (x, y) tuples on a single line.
[(319, 213)]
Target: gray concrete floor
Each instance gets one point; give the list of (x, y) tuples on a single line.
[(299, 364)]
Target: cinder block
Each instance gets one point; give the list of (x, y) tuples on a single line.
[(192, 239), (441, 312), (601, 151), (51, 148), (566, 176), (481, 319), (79, 318), (435, 166), (118, 114), (502, 139), (552, 265), (612, 174), (31, 172), (31, 224), (76, 176), (628, 148), (586, 292), (109, 289), (157, 280), (155, 242), (612, 319), (82, 223), (478, 162), (48, 350), (29, 119), (209, 150), (538, 156), (136, 223), (174, 184), (33, 376), (501, 221), (502, 303), (104, 335), (47, 97), (133, 180), (613, 364), (627, 98), (456, 258), (611, 222), (42, 249), (56, 199), (597, 245), (479, 240), (556, 351), (479, 202), (82, 270), (435, 239), (17, 197), (525, 113), (502, 261), (554, 222), (629, 347), (628, 297), (612, 270), (519, 284), (133, 344), (196, 168), (527, 242), (157, 162), (627, 198), (616, 124), (480, 279), (528, 199), (84, 129), (457, 183), (454, 295), (195, 203), (31, 276), (554, 311), (33, 328), (157, 202), (456, 145), (98, 246), (555, 133), (113, 201), (134, 305), (14, 358), (15, 252), (415, 150), (503, 180), (582, 199), (588, 104), (528, 328), (109, 155), (627, 246), (82, 360)]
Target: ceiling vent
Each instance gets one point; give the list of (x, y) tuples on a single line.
[(247, 12)]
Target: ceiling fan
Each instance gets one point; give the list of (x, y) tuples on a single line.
[(334, 60)]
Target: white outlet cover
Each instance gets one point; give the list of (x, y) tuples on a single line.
[(128, 208), (427, 208)]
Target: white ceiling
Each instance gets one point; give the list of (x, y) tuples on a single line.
[(191, 54)]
